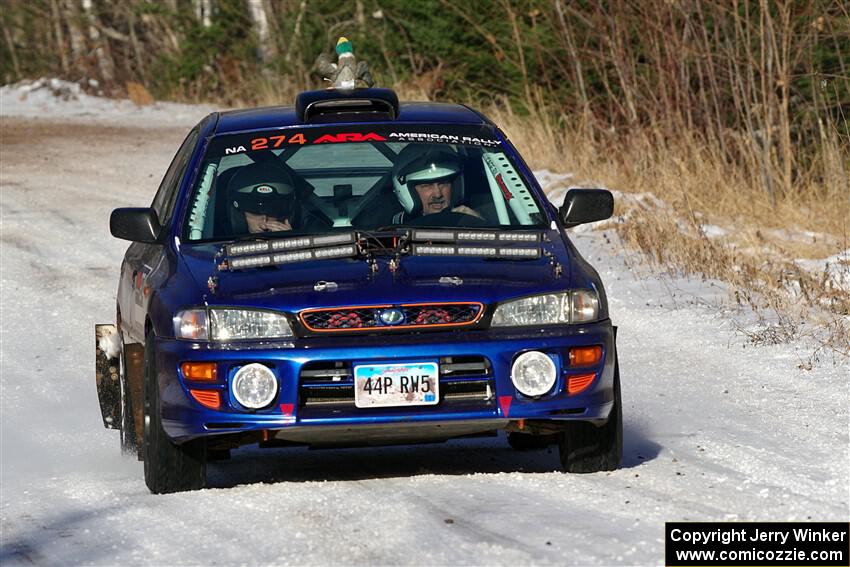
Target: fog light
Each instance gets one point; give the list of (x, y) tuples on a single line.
[(254, 386), (533, 373)]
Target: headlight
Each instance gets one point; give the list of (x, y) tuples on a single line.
[(578, 306), (254, 386), (230, 324)]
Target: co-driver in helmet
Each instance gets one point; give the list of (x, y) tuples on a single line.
[(428, 180)]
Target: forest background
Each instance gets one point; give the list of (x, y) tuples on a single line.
[(725, 120)]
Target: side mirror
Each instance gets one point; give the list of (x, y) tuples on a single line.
[(586, 205), (136, 224)]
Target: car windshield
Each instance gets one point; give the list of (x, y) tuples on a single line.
[(317, 180)]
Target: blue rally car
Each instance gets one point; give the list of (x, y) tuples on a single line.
[(352, 271)]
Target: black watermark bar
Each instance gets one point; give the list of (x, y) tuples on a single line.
[(744, 544)]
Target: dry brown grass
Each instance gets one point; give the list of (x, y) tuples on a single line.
[(138, 94), (756, 255)]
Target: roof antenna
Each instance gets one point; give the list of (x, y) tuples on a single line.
[(345, 73)]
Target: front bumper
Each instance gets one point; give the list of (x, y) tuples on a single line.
[(294, 409)]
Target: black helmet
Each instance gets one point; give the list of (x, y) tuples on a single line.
[(425, 163), (263, 188)]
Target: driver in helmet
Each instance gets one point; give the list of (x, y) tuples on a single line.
[(428, 180), (265, 195)]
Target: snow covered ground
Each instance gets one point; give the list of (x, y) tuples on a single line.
[(715, 429)]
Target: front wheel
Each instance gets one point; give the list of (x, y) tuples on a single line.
[(168, 467), (585, 448)]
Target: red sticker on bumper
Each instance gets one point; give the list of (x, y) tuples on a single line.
[(505, 402)]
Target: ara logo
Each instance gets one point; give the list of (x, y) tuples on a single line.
[(391, 316), (350, 137), (264, 189)]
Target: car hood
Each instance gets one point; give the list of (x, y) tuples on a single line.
[(349, 282)]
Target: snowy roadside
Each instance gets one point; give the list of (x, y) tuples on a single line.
[(715, 429), (54, 99)]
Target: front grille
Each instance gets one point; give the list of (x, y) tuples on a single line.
[(457, 366), (413, 316), (329, 386), (325, 371)]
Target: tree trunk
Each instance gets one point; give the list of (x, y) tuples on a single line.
[(296, 32), (134, 41), (578, 73), (10, 43), (203, 12), (60, 37), (259, 18), (101, 48), (71, 11)]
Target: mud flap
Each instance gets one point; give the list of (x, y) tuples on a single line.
[(107, 351)]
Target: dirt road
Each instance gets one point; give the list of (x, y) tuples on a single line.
[(714, 429)]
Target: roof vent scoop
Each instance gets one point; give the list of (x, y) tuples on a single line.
[(346, 105)]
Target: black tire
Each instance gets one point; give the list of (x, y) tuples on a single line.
[(527, 442), (168, 467), (129, 444), (585, 448)]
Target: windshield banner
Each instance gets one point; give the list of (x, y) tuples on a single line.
[(282, 139)]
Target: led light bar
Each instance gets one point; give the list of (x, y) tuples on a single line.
[(483, 251), (476, 251), (332, 239), (519, 236), (290, 256), (249, 262), (433, 235), (425, 250), (519, 252), (474, 236), (247, 248), (292, 243), (335, 252), (296, 256)]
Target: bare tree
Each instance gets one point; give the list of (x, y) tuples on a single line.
[(101, 47), (56, 17), (71, 11), (266, 48), (203, 11), (10, 44)]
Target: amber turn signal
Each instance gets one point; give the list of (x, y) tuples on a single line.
[(199, 370), (207, 398), (579, 383), (585, 356)]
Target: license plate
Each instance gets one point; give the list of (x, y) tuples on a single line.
[(405, 384)]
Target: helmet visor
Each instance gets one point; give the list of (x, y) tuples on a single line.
[(429, 168)]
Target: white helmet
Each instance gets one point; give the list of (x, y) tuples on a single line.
[(425, 163)]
